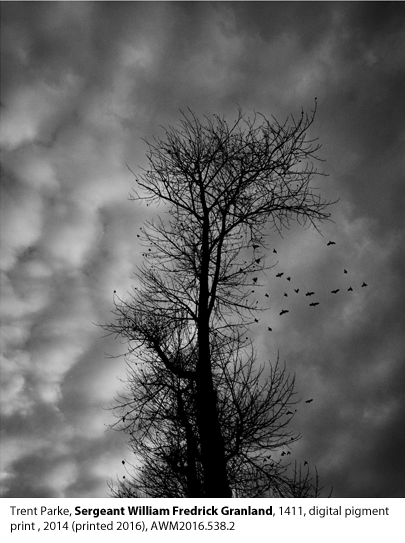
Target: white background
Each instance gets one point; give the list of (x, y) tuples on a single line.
[(307, 528)]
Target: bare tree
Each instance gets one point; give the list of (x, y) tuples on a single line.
[(224, 187)]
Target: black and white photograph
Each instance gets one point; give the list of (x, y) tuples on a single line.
[(202, 249)]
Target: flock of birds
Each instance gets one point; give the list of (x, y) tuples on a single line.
[(297, 290)]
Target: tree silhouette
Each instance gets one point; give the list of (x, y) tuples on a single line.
[(253, 411), (224, 187)]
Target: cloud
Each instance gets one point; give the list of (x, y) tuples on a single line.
[(21, 222)]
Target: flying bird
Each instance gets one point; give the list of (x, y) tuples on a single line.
[(331, 243), (256, 320), (285, 294), (274, 251), (309, 401), (256, 246), (344, 271), (305, 463), (283, 453), (296, 290), (266, 295), (364, 284), (280, 274), (289, 413), (335, 291), (254, 279), (123, 462), (288, 278), (258, 261), (284, 311), (350, 289), (309, 293), (313, 304), (269, 329)]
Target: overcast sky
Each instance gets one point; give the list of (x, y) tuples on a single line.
[(82, 83)]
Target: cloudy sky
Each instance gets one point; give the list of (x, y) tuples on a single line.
[(82, 83)]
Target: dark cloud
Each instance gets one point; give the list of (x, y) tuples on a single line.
[(82, 82), (302, 22)]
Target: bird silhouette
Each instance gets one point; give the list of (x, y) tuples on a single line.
[(283, 453), (288, 452), (344, 271), (331, 243), (289, 413), (305, 463), (284, 311), (254, 279), (313, 304), (123, 462), (335, 291), (288, 278), (309, 401), (280, 274), (364, 284), (350, 289), (266, 295), (257, 260), (256, 320), (274, 251), (285, 294), (255, 246), (269, 329), (296, 290), (309, 293)]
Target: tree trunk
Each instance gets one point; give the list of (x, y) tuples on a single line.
[(193, 483), (216, 483), (212, 447)]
